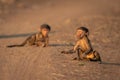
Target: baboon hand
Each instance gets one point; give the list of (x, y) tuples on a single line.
[(68, 52), (64, 52)]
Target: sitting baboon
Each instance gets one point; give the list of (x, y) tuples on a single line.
[(83, 47)]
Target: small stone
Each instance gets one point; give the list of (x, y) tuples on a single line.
[(81, 64)]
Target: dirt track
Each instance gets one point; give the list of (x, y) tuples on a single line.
[(37, 63)]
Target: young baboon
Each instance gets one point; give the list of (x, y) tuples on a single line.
[(83, 46), (39, 39)]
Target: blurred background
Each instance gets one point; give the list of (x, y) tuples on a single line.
[(106, 7)]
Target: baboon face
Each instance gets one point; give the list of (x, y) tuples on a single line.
[(80, 33), (45, 31)]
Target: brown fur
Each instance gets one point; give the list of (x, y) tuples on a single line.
[(84, 48), (36, 39)]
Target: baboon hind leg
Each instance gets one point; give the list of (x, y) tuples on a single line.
[(97, 57), (79, 54)]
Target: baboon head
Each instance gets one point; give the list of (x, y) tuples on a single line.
[(45, 29), (81, 32)]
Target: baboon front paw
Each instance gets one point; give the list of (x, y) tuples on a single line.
[(64, 52), (76, 58)]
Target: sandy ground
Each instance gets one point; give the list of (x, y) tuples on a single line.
[(37, 63)]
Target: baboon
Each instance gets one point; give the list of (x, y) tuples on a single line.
[(39, 39), (83, 47)]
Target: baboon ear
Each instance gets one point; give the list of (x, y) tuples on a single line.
[(82, 35), (87, 33)]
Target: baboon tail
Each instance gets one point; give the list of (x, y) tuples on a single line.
[(14, 46), (18, 45), (100, 60)]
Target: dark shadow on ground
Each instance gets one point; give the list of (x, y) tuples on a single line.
[(54, 45), (18, 35), (109, 63)]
